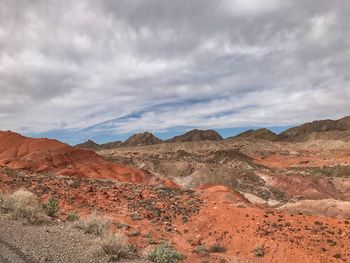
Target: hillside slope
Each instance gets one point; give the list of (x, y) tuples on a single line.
[(322, 129)]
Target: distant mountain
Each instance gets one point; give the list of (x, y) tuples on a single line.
[(141, 139), (91, 145), (260, 134), (321, 129), (196, 135), (110, 145)]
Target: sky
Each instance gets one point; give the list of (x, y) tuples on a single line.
[(106, 69)]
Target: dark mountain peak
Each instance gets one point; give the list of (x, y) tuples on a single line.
[(89, 144), (196, 135), (260, 134), (141, 139)]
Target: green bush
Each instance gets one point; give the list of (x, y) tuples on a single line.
[(72, 217), (164, 254), (51, 207)]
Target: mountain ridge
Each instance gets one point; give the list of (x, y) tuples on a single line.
[(319, 129)]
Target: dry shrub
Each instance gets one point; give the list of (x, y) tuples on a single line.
[(259, 251), (115, 246), (93, 224), (217, 248), (1, 200), (23, 205), (164, 253)]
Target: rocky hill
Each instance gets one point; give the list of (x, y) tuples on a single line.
[(141, 139), (46, 155), (324, 129), (260, 134), (196, 135), (91, 145), (110, 145)]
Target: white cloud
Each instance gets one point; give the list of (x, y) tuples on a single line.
[(252, 7), (75, 64), (321, 26)]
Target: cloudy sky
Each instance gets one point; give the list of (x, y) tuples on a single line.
[(105, 69)]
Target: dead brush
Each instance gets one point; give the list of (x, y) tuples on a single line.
[(115, 246), (23, 205), (93, 224)]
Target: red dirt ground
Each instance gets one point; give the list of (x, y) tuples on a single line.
[(286, 238)]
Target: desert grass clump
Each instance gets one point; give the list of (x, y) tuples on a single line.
[(164, 253), (23, 205), (1, 199), (51, 207), (73, 217), (115, 246), (201, 250), (93, 224)]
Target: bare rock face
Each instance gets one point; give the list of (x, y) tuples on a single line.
[(323, 129), (141, 139), (260, 134), (196, 135)]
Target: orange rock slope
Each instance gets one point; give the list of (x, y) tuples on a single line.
[(46, 155)]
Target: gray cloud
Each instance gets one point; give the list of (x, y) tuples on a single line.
[(71, 65)]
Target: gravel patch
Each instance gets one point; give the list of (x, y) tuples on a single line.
[(57, 243)]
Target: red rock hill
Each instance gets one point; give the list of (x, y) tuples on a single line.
[(46, 155)]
